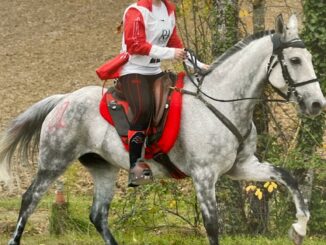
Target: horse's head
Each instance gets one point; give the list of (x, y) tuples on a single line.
[(291, 71)]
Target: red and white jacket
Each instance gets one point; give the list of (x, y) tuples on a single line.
[(146, 40), (146, 37)]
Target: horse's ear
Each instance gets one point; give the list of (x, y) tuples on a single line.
[(292, 27), (279, 24)]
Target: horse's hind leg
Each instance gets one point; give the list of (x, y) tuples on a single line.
[(104, 176), (30, 199), (257, 171)]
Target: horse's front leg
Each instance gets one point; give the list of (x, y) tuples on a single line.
[(254, 170), (205, 189)]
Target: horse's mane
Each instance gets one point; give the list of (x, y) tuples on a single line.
[(237, 47)]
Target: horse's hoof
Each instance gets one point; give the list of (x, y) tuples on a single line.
[(295, 237)]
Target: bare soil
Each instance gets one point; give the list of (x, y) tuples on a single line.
[(50, 47)]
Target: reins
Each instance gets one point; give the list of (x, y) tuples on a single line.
[(198, 72)]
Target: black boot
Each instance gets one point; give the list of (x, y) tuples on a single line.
[(139, 173)]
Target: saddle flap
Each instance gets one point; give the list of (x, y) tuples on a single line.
[(119, 117), (161, 90)]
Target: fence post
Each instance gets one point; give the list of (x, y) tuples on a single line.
[(59, 211)]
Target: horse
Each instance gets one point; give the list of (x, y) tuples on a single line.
[(215, 138)]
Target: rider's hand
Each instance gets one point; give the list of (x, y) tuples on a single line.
[(180, 54), (205, 66)]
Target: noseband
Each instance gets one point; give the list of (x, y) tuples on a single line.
[(278, 47)]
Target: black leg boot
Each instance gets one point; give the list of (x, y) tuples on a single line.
[(139, 173)]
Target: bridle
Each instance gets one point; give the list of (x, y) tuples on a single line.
[(278, 47), (278, 56)]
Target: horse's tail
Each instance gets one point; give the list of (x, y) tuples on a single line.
[(23, 132)]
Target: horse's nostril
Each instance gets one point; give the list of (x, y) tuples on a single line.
[(316, 105)]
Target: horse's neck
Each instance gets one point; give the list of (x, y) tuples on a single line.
[(241, 76)]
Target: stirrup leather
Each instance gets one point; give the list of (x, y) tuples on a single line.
[(141, 174)]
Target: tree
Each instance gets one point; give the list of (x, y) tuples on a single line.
[(225, 25), (259, 210), (312, 130)]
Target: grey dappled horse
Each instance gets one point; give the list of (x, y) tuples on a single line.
[(69, 127)]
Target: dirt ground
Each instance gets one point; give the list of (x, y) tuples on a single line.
[(51, 47)]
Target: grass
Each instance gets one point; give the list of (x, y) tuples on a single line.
[(133, 230), (154, 238)]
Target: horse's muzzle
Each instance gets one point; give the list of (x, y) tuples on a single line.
[(315, 107)]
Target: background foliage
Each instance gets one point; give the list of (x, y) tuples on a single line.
[(311, 131)]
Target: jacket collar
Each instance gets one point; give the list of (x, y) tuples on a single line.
[(148, 4)]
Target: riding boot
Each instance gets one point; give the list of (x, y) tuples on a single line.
[(139, 173)]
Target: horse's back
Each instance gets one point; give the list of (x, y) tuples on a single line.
[(71, 121), (94, 93)]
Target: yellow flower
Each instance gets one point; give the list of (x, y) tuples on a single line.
[(259, 194), (172, 203), (270, 186), (267, 184), (251, 188)]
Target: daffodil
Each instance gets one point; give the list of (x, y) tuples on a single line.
[(259, 194), (270, 186)]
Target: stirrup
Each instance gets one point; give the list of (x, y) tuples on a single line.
[(141, 174)]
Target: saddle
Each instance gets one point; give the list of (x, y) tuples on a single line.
[(165, 122)]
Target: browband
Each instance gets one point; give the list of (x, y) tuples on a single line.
[(278, 45)]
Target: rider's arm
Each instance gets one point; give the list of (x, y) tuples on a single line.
[(175, 41), (135, 38)]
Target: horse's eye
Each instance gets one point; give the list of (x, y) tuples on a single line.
[(295, 61)]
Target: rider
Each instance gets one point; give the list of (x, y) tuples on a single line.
[(149, 36)]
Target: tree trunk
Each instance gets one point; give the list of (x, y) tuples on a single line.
[(259, 215), (225, 33), (258, 15)]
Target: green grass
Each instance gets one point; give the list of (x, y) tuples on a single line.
[(135, 230), (154, 238)]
